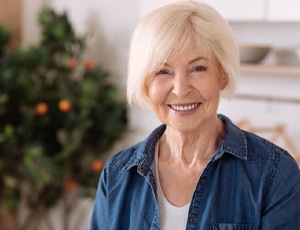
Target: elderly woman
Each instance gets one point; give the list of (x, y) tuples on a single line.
[(197, 170)]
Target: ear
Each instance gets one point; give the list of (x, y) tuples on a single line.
[(223, 80), (145, 89)]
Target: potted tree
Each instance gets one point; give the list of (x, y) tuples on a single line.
[(59, 114)]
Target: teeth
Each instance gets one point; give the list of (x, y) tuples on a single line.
[(183, 108)]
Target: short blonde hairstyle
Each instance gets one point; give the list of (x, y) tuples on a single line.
[(173, 29)]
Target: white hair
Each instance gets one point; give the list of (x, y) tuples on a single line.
[(173, 29)]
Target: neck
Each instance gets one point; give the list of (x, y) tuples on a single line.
[(192, 147)]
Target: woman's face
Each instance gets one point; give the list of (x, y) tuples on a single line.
[(185, 91)]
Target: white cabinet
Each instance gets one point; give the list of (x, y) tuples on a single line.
[(239, 10), (258, 10), (287, 10), (233, 10), (242, 10)]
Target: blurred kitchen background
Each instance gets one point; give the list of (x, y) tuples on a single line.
[(268, 95)]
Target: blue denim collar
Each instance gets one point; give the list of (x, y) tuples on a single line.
[(234, 143)]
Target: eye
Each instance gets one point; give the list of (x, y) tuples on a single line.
[(162, 72), (199, 69)]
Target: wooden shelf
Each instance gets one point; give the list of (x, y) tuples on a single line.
[(270, 69)]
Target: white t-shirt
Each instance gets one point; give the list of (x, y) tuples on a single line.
[(171, 217)]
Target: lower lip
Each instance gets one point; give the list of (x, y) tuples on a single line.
[(185, 112)]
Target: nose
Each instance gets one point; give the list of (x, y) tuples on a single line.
[(181, 85)]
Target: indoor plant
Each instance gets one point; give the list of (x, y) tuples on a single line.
[(58, 115)]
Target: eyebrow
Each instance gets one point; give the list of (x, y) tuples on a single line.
[(197, 59), (191, 61)]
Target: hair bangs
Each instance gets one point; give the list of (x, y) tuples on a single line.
[(175, 41)]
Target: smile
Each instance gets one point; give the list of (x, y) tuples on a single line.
[(184, 107)]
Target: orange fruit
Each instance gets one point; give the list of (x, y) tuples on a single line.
[(89, 64), (64, 106), (71, 63), (41, 108), (70, 185), (97, 166)]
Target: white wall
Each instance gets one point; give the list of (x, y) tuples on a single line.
[(264, 113), (111, 22)]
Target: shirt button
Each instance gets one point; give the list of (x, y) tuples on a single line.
[(191, 219), (201, 180), (142, 169)]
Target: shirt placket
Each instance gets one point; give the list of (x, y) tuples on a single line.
[(194, 217)]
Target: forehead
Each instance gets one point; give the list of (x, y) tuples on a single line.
[(187, 57), (190, 54), (165, 47), (190, 44)]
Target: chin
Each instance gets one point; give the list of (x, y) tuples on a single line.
[(184, 127)]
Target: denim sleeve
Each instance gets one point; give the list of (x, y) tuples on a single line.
[(99, 219), (282, 205)]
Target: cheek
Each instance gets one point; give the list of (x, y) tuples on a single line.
[(156, 93), (210, 87)]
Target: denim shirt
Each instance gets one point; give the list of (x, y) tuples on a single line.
[(248, 184)]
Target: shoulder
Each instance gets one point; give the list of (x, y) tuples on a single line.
[(262, 159), (250, 146), (137, 154), (276, 160), (125, 157), (260, 149)]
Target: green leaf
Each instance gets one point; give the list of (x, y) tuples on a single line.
[(4, 36), (34, 162)]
